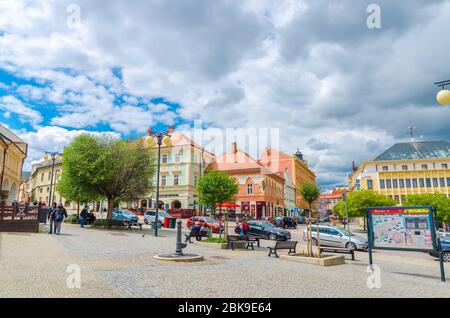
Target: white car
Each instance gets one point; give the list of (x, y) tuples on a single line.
[(337, 237), (149, 216)]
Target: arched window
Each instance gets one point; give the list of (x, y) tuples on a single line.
[(249, 183)]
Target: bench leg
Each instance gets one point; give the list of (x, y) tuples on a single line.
[(276, 254), (270, 252), (353, 255)]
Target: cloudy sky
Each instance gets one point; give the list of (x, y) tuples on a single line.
[(334, 88)]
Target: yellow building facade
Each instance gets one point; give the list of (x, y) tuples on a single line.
[(41, 181), (13, 152), (406, 169)]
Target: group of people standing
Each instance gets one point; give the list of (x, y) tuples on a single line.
[(56, 215)]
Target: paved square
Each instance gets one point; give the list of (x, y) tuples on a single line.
[(121, 264)]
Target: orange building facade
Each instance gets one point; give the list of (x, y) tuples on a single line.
[(280, 162), (261, 192)]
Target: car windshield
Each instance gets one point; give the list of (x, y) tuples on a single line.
[(164, 214), (345, 232), (127, 212), (266, 224)]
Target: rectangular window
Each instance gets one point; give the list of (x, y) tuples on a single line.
[(442, 182), (401, 183), (249, 188), (388, 184), (164, 158), (424, 167), (428, 182), (175, 179), (195, 180), (395, 183), (415, 183), (163, 180), (385, 168), (405, 168), (397, 198), (49, 176), (448, 182), (177, 157), (435, 182), (408, 183), (369, 184), (42, 176), (444, 166), (422, 183), (382, 184)]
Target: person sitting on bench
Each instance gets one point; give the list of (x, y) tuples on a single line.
[(204, 230)]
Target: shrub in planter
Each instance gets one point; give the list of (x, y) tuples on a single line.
[(105, 222)]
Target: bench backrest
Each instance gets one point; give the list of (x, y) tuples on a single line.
[(232, 238), (194, 232), (286, 244)]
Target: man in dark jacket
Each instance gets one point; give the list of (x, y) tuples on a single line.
[(60, 214), (51, 218), (83, 215)]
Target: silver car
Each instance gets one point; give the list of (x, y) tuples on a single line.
[(150, 216), (337, 237)]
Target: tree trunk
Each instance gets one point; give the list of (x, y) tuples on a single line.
[(110, 208), (364, 223), (78, 210), (220, 221)]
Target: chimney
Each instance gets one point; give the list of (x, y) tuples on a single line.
[(234, 147), (150, 131), (171, 129)]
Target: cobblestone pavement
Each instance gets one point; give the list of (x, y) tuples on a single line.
[(121, 264)]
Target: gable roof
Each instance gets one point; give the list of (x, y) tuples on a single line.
[(416, 150)]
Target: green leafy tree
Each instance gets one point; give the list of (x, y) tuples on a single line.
[(310, 193), (359, 201), (100, 166), (439, 201), (216, 188)]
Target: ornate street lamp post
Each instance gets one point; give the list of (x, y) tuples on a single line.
[(159, 137), (52, 156), (443, 96)]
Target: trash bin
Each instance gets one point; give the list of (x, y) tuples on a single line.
[(166, 223), (43, 214), (172, 222)]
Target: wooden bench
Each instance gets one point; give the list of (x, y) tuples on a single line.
[(197, 234), (339, 250), (237, 239), (256, 239), (283, 245), (131, 224)]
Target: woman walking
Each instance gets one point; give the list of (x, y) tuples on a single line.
[(61, 213)]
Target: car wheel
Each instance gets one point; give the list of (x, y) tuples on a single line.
[(272, 237), (446, 256), (350, 246), (314, 241), (145, 221)]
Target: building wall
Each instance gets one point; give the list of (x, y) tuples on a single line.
[(302, 174), (40, 185), (11, 158), (185, 163), (400, 178)]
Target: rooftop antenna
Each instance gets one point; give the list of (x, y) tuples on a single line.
[(411, 132)]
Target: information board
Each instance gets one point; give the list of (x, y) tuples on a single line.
[(408, 228)]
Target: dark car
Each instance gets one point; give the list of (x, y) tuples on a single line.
[(285, 222), (445, 243), (266, 230)]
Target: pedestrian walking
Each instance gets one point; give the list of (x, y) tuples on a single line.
[(51, 217), (61, 213), (83, 216)]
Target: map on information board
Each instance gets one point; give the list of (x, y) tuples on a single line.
[(402, 228)]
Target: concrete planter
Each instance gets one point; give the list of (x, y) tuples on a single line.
[(221, 246), (325, 260)]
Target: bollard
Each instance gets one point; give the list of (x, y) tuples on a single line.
[(179, 249)]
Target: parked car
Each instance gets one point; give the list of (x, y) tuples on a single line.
[(124, 215), (204, 220), (337, 237), (285, 222), (150, 216), (445, 243), (268, 219), (265, 230)]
